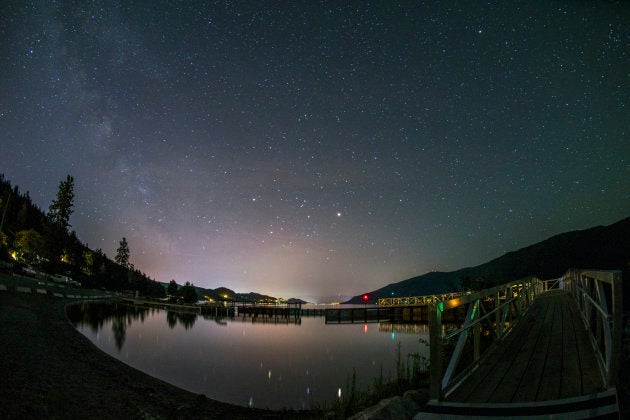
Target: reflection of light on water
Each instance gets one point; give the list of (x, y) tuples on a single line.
[(251, 402), (393, 335), (311, 346), (403, 328)]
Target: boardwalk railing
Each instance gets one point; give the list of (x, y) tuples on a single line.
[(416, 300), (492, 313), (599, 297), (489, 315)]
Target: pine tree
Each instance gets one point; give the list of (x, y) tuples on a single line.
[(122, 253), (189, 293), (172, 288), (61, 208)]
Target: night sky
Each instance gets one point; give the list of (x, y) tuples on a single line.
[(310, 148)]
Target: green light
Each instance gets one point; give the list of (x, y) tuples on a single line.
[(440, 306)]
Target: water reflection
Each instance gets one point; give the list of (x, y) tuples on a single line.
[(186, 319), (403, 328), (246, 361), (267, 320), (119, 328), (120, 315)]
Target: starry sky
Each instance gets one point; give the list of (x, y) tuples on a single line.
[(318, 148)]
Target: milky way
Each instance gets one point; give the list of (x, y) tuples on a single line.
[(318, 148)]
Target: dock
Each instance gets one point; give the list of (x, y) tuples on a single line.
[(530, 348)]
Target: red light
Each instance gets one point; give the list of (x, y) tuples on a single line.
[(365, 298)]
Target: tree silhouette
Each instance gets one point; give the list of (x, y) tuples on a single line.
[(187, 320), (171, 319), (61, 208), (172, 288), (122, 253), (119, 328), (60, 250), (188, 293)]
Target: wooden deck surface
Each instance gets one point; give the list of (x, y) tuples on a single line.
[(547, 356)]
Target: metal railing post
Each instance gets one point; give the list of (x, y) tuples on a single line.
[(477, 342), (603, 319), (498, 317), (617, 327), (435, 350)]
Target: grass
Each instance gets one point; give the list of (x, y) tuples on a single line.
[(412, 373)]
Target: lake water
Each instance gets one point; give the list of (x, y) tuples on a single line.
[(265, 365)]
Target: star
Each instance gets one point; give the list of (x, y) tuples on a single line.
[(429, 137)]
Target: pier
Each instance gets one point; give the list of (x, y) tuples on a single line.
[(530, 348), (406, 310), (356, 315), (233, 309), (207, 310), (273, 310)]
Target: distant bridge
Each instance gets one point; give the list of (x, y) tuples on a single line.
[(416, 300), (409, 309), (529, 348)]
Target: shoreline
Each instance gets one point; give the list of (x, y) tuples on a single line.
[(50, 370)]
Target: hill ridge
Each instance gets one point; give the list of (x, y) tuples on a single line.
[(601, 247)]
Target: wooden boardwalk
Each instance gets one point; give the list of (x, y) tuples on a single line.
[(530, 349), (547, 356)]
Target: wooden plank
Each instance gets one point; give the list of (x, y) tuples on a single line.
[(551, 378), (488, 388), (571, 385), (528, 387), (547, 356), (479, 377), (525, 348), (511, 350), (483, 383)]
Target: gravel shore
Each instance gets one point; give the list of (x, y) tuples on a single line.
[(49, 370)]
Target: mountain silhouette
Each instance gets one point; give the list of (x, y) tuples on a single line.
[(601, 247)]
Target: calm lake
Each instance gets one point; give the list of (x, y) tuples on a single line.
[(260, 364)]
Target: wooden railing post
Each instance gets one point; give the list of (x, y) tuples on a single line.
[(435, 350)]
